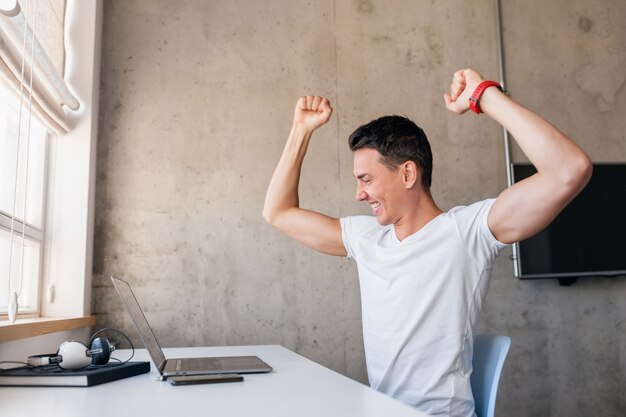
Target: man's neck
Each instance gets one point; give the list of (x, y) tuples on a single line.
[(423, 212)]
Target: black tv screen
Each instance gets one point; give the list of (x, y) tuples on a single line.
[(588, 238)]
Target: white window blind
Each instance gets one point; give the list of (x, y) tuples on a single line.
[(50, 93)]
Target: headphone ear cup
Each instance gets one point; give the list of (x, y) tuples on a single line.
[(100, 350), (73, 355)]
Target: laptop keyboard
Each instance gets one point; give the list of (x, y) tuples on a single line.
[(205, 364)]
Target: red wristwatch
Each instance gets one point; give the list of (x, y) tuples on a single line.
[(473, 101)]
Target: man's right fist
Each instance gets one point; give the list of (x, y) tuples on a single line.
[(312, 112)]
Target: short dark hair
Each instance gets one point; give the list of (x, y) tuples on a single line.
[(398, 140)]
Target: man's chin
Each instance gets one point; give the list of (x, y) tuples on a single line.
[(383, 221)]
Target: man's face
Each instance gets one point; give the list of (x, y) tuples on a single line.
[(379, 186)]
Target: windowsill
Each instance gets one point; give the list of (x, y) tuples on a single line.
[(23, 328)]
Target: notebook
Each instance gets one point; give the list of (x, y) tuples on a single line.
[(52, 375), (183, 366)]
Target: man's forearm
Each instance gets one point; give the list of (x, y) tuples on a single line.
[(282, 193)]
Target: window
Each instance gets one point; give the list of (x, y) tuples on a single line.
[(59, 211), (22, 199)]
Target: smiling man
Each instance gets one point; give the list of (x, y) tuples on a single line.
[(423, 272)]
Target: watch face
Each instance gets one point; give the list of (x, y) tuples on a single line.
[(474, 104)]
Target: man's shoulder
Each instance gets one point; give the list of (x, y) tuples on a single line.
[(472, 224), (359, 221), (361, 225), (472, 209), (472, 218)]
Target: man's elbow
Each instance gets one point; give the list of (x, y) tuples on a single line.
[(585, 170), (579, 174), (574, 177), (269, 215), (273, 216)]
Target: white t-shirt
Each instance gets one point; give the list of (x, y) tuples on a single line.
[(420, 298)]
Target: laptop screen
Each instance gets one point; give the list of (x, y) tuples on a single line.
[(145, 332)]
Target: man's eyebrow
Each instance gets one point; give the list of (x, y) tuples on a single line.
[(360, 177)]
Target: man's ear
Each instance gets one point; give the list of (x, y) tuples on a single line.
[(411, 174)]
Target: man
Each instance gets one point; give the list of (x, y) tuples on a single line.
[(423, 272)]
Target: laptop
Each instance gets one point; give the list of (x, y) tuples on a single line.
[(183, 366)]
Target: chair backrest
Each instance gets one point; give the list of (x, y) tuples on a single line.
[(489, 354)]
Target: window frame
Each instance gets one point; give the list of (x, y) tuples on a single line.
[(68, 257), (32, 233)]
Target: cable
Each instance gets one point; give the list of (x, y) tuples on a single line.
[(3, 369)]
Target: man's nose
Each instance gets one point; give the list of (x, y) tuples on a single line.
[(360, 194)]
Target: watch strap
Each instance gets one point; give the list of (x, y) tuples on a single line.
[(474, 99)]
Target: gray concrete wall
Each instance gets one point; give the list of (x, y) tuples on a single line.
[(196, 103)]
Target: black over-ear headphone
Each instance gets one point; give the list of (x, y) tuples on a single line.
[(76, 355)]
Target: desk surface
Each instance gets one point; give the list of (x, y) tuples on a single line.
[(296, 387)]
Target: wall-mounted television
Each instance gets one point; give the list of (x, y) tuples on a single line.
[(587, 239)]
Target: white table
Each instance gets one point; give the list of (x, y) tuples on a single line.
[(296, 387)]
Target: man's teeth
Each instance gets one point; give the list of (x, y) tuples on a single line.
[(375, 205)]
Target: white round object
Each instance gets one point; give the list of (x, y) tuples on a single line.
[(73, 355)]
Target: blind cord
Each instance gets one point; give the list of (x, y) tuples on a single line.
[(13, 298), (28, 137)]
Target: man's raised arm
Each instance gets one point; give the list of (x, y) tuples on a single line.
[(563, 168), (282, 207)]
